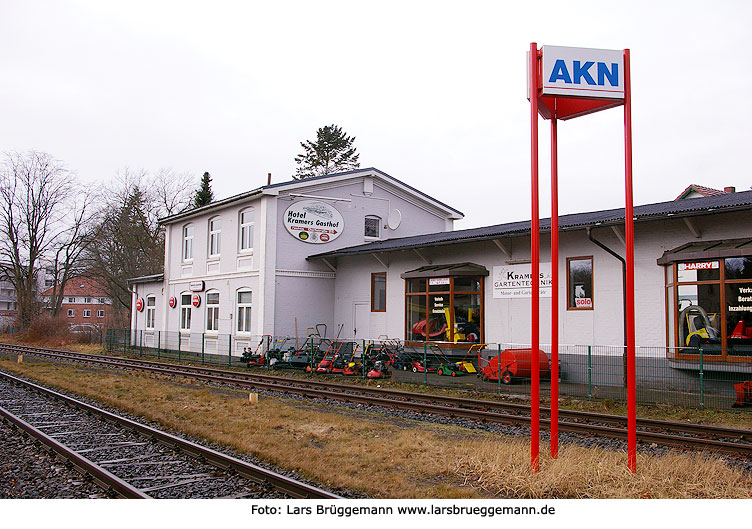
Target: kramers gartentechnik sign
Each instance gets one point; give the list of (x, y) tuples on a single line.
[(515, 281), (313, 221), (583, 72)]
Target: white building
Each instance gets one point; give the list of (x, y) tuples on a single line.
[(396, 268)]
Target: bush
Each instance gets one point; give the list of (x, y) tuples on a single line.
[(50, 331)]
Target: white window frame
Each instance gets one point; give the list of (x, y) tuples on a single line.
[(71, 313), (100, 314), (151, 311), (215, 236), (71, 300), (244, 311), (87, 300), (212, 312), (187, 248), (246, 230), (185, 312), (87, 313), (365, 227)]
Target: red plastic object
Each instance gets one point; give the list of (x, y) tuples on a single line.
[(743, 394)]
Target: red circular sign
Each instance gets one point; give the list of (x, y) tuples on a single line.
[(173, 302), (195, 300), (324, 237), (139, 304)]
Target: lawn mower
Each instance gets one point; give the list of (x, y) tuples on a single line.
[(256, 357), (417, 366), (379, 370)]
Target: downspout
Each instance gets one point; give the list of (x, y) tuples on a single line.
[(623, 295)]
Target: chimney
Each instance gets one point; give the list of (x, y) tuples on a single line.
[(729, 189), (269, 180)]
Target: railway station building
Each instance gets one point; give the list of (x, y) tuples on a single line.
[(363, 255)]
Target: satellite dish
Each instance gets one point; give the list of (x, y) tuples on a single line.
[(395, 218)]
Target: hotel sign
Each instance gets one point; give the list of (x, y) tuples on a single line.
[(313, 221)]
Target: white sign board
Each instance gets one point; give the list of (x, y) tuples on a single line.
[(583, 72), (313, 221), (515, 281)]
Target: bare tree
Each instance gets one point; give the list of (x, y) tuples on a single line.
[(35, 205), (129, 241)]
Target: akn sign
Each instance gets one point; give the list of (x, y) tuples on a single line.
[(583, 72)]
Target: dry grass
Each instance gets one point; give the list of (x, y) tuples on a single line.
[(390, 457)]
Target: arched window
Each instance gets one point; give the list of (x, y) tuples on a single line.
[(151, 309), (188, 242), (185, 311), (246, 230), (372, 227), (244, 298), (212, 311), (215, 236)]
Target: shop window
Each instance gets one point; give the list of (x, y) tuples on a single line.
[(372, 227), (738, 309), (212, 311), (246, 230), (151, 310), (215, 236), (444, 309), (187, 242), (378, 292), (185, 312), (245, 298), (580, 283)]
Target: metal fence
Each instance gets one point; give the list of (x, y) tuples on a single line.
[(585, 371)]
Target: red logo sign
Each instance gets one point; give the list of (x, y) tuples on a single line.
[(139, 304), (173, 302), (707, 265), (195, 300)]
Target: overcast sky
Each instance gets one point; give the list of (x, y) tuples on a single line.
[(434, 93)]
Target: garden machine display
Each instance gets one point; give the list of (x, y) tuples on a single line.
[(511, 364), (335, 357), (257, 356), (447, 367), (380, 369)]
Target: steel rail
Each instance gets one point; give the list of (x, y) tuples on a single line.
[(101, 476), (255, 473), (461, 407)]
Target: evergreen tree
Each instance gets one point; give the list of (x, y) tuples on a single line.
[(204, 194), (331, 152)]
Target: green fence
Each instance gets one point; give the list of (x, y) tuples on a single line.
[(585, 371)]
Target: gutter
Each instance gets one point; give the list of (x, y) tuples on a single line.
[(623, 292)]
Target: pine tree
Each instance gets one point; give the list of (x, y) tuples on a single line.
[(204, 194), (331, 152)]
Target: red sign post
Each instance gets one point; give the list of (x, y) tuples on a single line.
[(566, 83)]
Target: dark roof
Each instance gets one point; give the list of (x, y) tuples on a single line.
[(146, 279), (459, 269), (609, 217), (80, 286), (306, 181), (708, 250)]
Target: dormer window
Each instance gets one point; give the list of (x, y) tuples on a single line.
[(372, 227)]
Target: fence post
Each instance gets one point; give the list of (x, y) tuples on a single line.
[(498, 368), (159, 342), (425, 366), (363, 360), (589, 373), (125, 339), (229, 350), (180, 342), (312, 355), (702, 383), (141, 343), (202, 348)]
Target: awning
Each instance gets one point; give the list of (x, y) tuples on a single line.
[(461, 269), (708, 250)]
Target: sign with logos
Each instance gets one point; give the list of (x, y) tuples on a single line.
[(437, 281), (583, 72), (196, 286), (515, 281), (139, 304), (195, 300), (173, 302), (313, 221)]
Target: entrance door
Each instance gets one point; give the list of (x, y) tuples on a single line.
[(361, 320)]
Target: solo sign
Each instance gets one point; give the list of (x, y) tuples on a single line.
[(583, 72), (313, 221)]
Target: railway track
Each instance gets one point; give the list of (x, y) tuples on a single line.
[(133, 460), (737, 442)]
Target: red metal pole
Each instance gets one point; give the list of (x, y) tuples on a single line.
[(554, 292), (535, 264), (630, 306)]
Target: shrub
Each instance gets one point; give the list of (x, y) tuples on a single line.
[(50, 331)]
